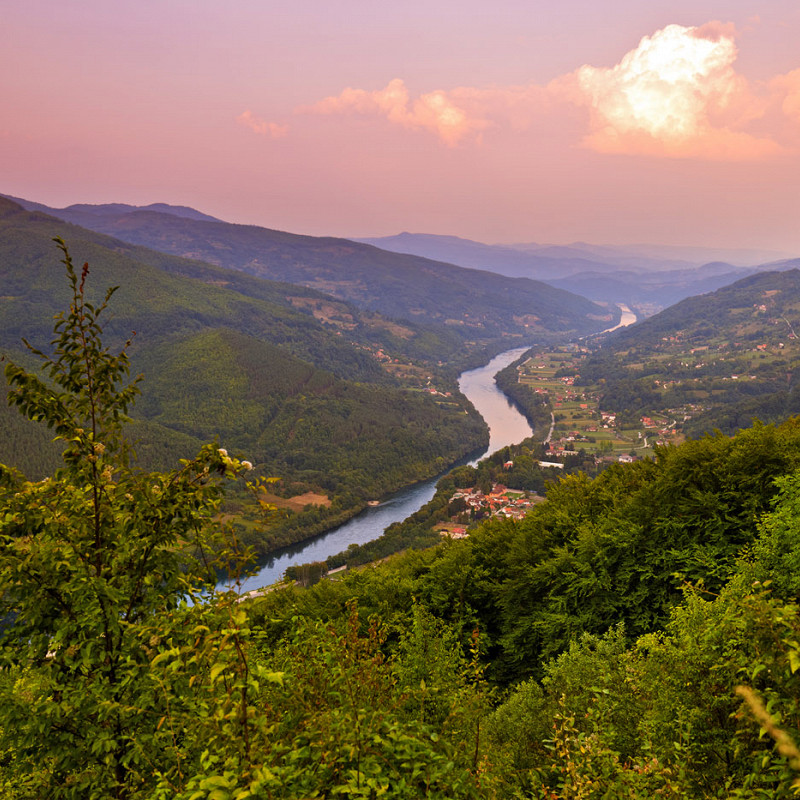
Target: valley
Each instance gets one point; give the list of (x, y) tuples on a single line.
[(599, 511), (400, 401), (301, 382), (328, 394)]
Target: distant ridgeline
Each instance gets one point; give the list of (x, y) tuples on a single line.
[(474, 305), (716, 361), (324, 392)]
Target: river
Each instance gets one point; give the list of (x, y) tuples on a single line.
[(506, 426), (627, 318)]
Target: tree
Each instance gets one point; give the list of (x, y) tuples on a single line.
[(99, 567), (124, 675)]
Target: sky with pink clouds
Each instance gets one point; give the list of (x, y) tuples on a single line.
[(610, 121)]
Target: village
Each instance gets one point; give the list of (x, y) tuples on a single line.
[(578, 422), (471, 505)]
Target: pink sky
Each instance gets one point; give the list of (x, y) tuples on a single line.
[(675, 122)]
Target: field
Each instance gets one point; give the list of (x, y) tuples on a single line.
[(579, 422)]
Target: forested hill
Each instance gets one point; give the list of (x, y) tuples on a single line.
[(721, 358), (293, 380), (633, 637), (475, 304), (621, 614)]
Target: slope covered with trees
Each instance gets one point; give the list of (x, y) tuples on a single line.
[(628, 639), (324, 404), (713, 361)]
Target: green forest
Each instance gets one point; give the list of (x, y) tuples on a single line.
[(637, 635), (337, 405)]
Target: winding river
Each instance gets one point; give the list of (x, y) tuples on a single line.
[(506, 426)]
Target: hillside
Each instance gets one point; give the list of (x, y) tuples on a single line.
[(716, 360), (477, 305), (319, 403), (626, 638)]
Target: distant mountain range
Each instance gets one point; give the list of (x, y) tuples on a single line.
[(88, 211), (659, 256), (476, 305), (648, 277), (645, 276)]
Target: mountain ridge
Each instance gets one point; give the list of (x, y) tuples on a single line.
[(476, 304)]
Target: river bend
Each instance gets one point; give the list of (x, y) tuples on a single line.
[(506, 426)]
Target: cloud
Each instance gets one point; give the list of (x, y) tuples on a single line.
[(262, 127), (787, 91), (676, 95), (435, 111)]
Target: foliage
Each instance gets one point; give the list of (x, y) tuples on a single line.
[(355, 726), (96, 563), (122, 675)]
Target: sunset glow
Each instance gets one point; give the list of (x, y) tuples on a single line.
[(671, 96), (676, 123)]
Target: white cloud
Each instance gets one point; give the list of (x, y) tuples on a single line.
[(434, 111), (677, 94), (272, 129)]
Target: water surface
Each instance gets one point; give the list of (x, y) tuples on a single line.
[(506, 426)]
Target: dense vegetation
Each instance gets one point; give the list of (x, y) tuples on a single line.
[(337, 404), (617, 619), (628, 639)]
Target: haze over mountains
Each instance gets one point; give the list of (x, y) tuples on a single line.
[(644, 276), (649, 277)]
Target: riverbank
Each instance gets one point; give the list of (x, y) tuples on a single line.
[(506, 425)]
